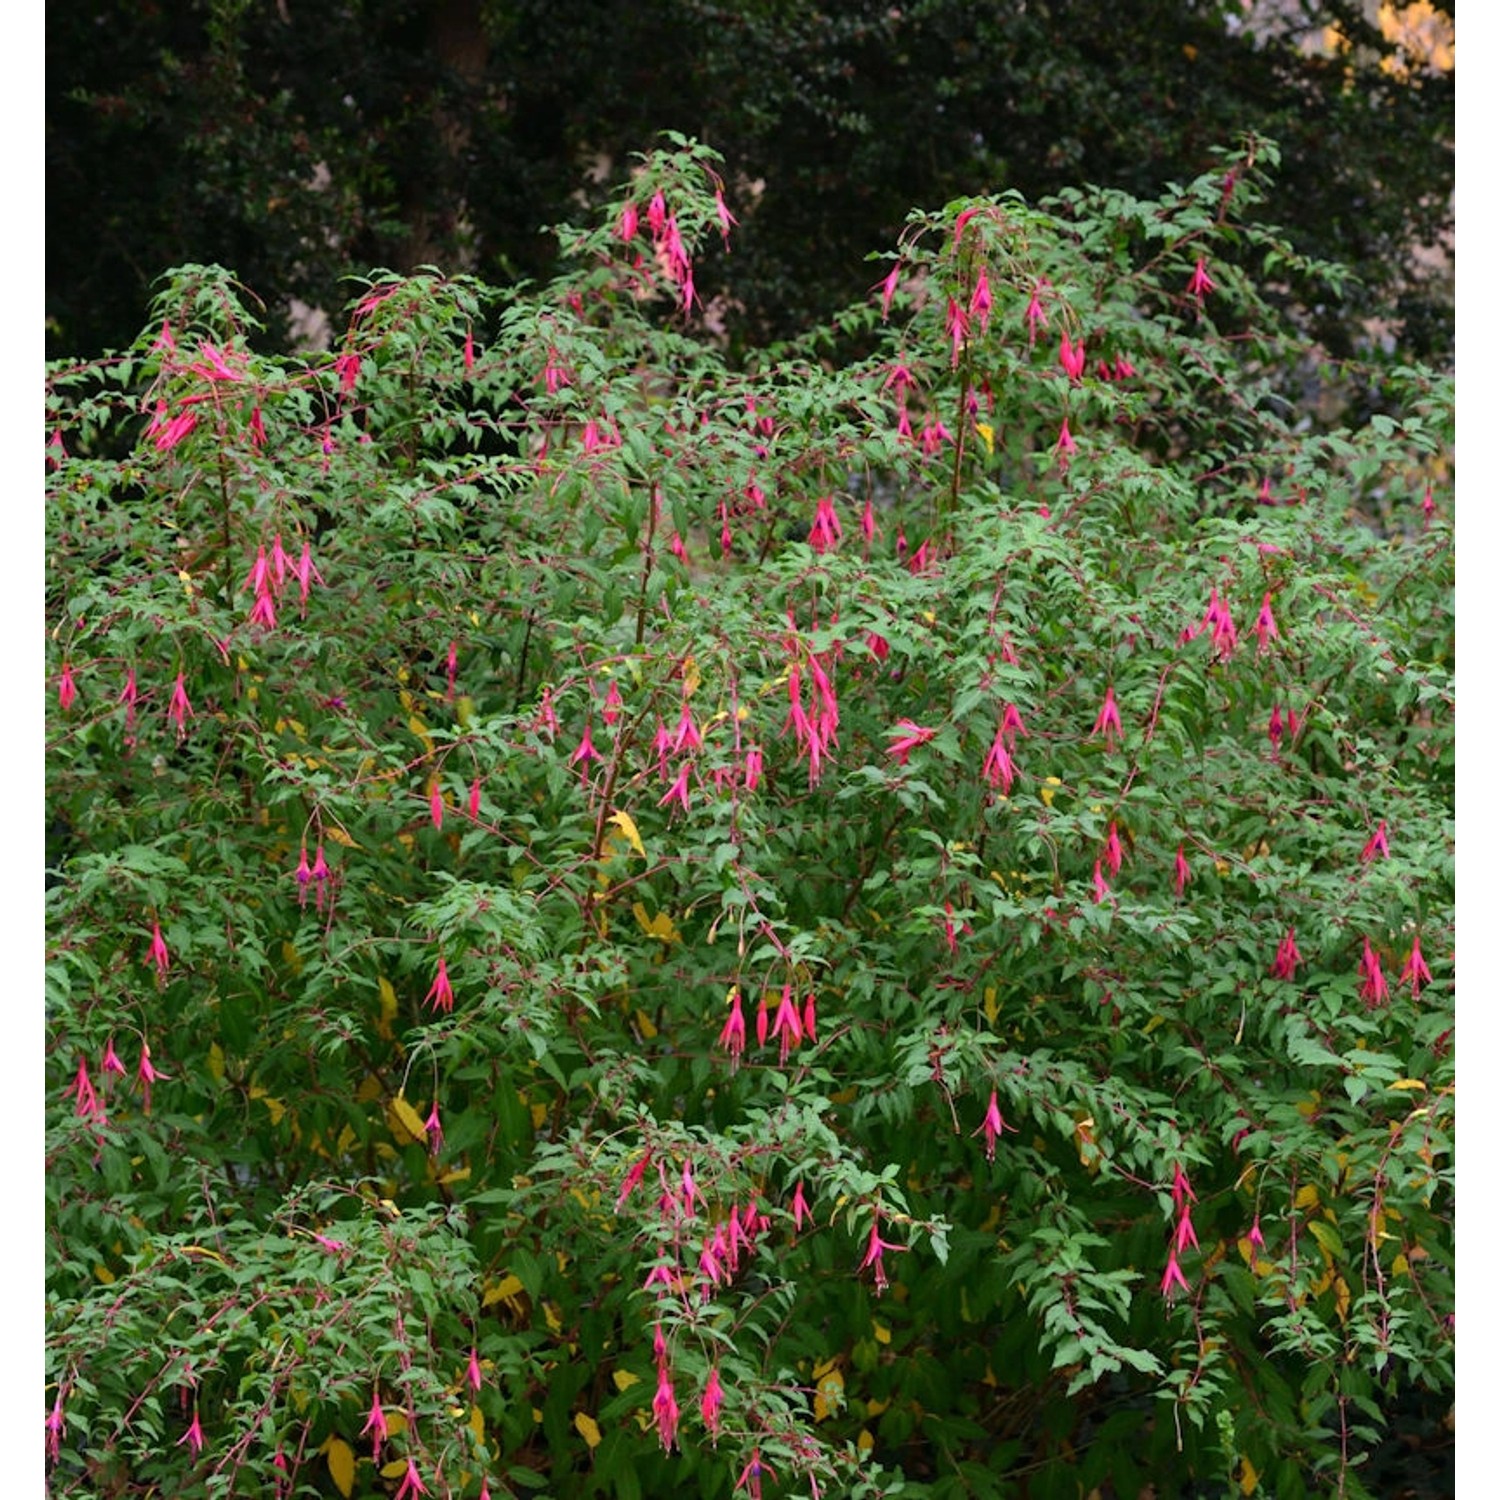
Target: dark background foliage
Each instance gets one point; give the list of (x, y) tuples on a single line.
[(296, 143)]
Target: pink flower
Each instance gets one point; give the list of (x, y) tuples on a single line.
[(193, 1437), (958, 329), (1429, 507), (1415, 968), (810, 1017), (993, 1125), (632, 1181), (826, 529), (909, 736), (67, 689), (146, 1075), (55, 1425), (726, 219), (1010, 720), (754, 764), (475, 1378), (1114, 854), (1066, 447), (111, 1063), (321, 875), (629, 222), (585, 751), (800, 1209), (664, 1408), (875, 1256), (1182, 1189), (1265, 623), (678, 791), (1200, 282), (888, 291), (1373, 991), (1073, 358), (1101, 885), (787, 1025), (711, 1403), (376, 1425), (1173, 1278), (412, 1483), (179, 710), (687, 736), (980, 301), (1274, 729), (752, 1475), (612, 704), (435, 804), (474, 792), (1036, 314), (88, 1106), (128, 695), (347, 366), (1183, 874), (440, 996), (1287, 957), (1377, 845), (306, 570), (999, 770), (157, 953), (1108, 722), (1257, 1239), (732, 1035), (433, 1125)]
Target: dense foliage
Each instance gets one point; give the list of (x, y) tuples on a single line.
[(622, 923), (293, 142)]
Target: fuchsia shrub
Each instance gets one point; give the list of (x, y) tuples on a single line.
[(851, 901)]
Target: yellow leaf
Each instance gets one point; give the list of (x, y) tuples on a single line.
[(396, 1469), (691, 677), (882, 1333), (645, 1025), (865, 1442), (464, 708), (1400, 1266), (395, 1422), (1408, 1083), (660, 926), (476, 1423), (339, 837), (1049, 789), (1249, 1479), (538, 1116), (1307, 1197), (341, 1465), (290, 957), (624, 1379), (588, 1428), (554, 1318), (406, 1124), (828, 1396), (216, 1062), (104, 1275), (388, 1007), (626, 824), (507, 1290), (986, 432), (419, 729)]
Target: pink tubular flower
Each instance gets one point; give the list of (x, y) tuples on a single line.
[(1073, 357), (440, 996), (1173, 1279), (732, 1035), (826, 530), (980, 301), (726, 219), (1274, 729), (1415, 968), (1182, 1189), (435, 804), (800, 1209), (1114, 854), (474, 793), (411, 1484), (1108, 722), (179, 710), (888, 291), (909, 736), (787, 1025), (754, 767), (1183, 873), (475, 1378), (1265, 623), (376, 1426), (1066, 447), (1036, 313), (87, 1106), (146, 1075), (993, 1125), (629, 222), (1010, 722), (110, 1063), (958, 329), (1377, 845), (875, 1256), (193, 1437), (67, 689), (433, 1125), (157, 953), (1200, 282), (1284, 966), (664, 1409), (1373, 991), (347, 366), (711, 1403), (585, 751), (306, 570), (678, 791), (55, 1424), (1101, 885), (128, 696), (999, 770)]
